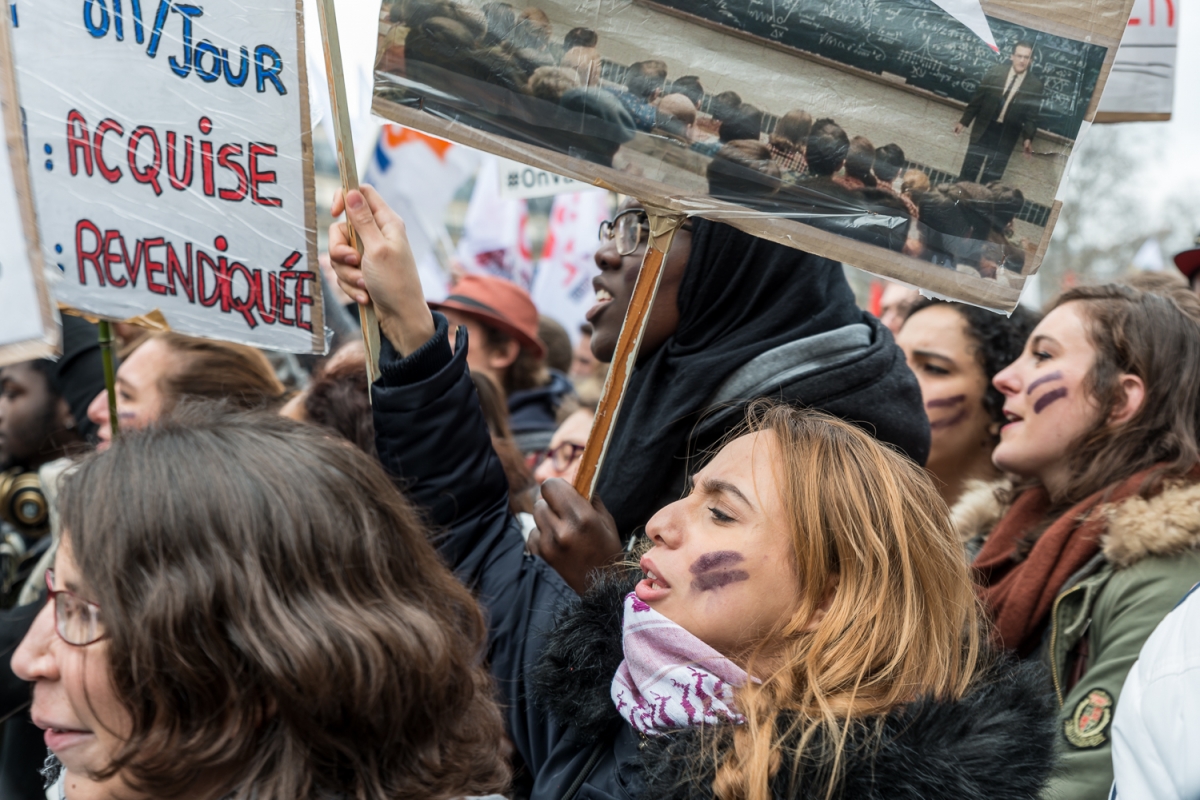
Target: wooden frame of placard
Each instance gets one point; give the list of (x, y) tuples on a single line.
[(663, 227), (310, 184), (344, 141), (14, 138)]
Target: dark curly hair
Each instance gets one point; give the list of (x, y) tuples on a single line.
[(998, 339)]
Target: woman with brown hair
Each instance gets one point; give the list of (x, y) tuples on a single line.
[(1102, 538), (285, 633), (167, 368), (803, 625)]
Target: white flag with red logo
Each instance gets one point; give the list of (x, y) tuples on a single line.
[(495, 238), (562, 288), (417, 175)]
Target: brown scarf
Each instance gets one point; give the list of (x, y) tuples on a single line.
[(1020, 593)]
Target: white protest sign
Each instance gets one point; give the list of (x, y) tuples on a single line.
[(28, 328), (522, 182), (1142, 83), (172, 163)]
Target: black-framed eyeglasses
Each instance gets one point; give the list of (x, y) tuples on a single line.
[(629, 229), (625, 229), (564, 455), (76, 620)]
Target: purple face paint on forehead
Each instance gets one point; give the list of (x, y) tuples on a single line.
[(1053, 376), (715, 560), (1048, 398), (948, 423), (947, 402)]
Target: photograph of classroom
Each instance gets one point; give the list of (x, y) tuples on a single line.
[(963, 179)]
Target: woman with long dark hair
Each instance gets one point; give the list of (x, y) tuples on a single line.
[(955, 350), (1102, 536), (246, 608), (802, 625)]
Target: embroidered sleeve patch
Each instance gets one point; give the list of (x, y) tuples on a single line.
[(1088, 726)]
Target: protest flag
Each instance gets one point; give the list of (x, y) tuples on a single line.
[(418, 176), (495, 232)]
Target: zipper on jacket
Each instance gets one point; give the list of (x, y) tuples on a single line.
[(1054, 643)]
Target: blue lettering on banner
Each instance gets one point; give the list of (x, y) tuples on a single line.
[(209, 62)]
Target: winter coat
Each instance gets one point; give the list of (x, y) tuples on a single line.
[(1156, 733), (1149, 558), (554, 655), (532, 413)]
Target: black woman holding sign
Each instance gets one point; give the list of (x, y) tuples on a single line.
[(803, 626), (736, 318)]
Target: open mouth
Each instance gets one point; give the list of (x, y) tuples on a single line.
[(655, 581), (653, 586), (603, 298)]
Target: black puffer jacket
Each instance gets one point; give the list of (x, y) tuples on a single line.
[(554, 655)]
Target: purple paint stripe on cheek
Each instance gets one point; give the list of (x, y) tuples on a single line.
[(1048, 398), (947, 402), (948, 423), (717, 579), (1053, 376), (715, 560)]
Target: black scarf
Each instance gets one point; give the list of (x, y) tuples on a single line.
[(740, 297)]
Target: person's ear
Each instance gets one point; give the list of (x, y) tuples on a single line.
[(1133, 391), (63, 416), (819, 615), (501, 358)]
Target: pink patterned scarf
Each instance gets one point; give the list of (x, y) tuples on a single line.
[(669, 678)]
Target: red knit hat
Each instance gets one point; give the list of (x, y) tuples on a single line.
[(1189, 260), (501, 304)]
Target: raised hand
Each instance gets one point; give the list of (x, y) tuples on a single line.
[(386, 273)]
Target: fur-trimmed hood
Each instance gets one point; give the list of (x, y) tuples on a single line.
[(1166, 524), (995, 743)]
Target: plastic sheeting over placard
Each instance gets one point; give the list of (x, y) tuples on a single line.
[(887, 134), (28, 325), (172, 163)]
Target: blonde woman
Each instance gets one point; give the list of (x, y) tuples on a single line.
[(804, 624)]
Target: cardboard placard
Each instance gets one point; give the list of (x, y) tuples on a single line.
[(754, 120), (1142, 84), (172, 163), (28, 322)]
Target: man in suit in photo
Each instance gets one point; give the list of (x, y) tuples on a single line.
[(1003, 111)]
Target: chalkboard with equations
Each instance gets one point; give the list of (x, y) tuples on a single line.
[(915, 40)]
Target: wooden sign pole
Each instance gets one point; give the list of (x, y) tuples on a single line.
[(346, 163), (110, 375), (663, 225)]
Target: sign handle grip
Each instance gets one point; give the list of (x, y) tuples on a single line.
[(346, 165), (663, 225)]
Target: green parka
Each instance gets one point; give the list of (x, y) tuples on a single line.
[(1149, 559)]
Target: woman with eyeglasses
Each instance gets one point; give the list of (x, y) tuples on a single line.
[(244, 607), (736, 318)]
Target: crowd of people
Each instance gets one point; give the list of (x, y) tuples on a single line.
[(494, 59), (822, 560)]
